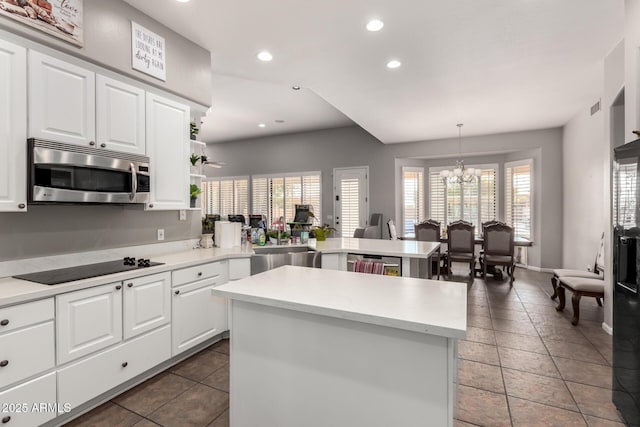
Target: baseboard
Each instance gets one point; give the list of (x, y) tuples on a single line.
[(608, 329), (539, 269)]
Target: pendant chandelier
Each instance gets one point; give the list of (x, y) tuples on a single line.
[(459, 174)]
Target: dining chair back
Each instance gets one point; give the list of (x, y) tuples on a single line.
[(427, 231), (498, 243), (461, 245), (393, 234)]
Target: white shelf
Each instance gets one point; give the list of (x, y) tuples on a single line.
[(196, 175), (195, 141)]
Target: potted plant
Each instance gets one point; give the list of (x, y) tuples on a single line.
[(208, 228), (273, 237), (194, 130), (194, 191), (322, 232), (194, 163)]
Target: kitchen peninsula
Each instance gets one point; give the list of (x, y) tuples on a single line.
[(377, 350)]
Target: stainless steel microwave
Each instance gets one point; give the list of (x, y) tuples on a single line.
[(64, 173)]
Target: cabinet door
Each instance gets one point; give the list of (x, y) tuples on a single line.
[(168, 149), (197, 314), (13, 128), (147, 303), (119, 116), (61, 101), (88, 320)]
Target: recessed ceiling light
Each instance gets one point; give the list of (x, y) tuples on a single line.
[(182, 1), (265, 56), (296, 87), (394, 63), (279, 121), (262, 125), (375, 25)]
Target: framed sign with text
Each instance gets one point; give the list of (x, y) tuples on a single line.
[(148, 52), (60, 18)]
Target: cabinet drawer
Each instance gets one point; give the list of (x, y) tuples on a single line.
[(199, 272), (27, 314), (37, 396), (90, 377), (26, 352)]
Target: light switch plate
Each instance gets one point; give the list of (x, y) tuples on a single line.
[(160, 233), (183, 215)]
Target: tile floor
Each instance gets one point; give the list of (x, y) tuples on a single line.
[(522, 364)]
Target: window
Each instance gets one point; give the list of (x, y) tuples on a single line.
[(475, 201), (518, 197), (276, 195), (412, 199), (624, 194), (226, 196)]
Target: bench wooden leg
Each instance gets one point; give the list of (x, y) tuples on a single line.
[(511, 274), (575, 301), (561, 299), (599, 301), (554, 283)]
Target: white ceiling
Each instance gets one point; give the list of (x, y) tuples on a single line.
[(494, 65)]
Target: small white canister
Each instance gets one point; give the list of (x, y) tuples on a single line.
[(206, 241)]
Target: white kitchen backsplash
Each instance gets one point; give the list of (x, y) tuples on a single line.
[(32, 265)]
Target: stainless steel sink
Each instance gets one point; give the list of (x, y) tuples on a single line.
[(267, 258)]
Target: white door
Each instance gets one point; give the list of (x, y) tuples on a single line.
[(62, 101), (168, 149), (351, 199), (120, 116), (88, 320), (13, 128), (197, 315), (147, 303)]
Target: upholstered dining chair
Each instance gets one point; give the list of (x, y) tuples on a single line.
[(461, 245), (498, 242), (429, 231)]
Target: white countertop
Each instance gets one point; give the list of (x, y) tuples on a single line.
[(398, 248), (14, 291), (428, 306)]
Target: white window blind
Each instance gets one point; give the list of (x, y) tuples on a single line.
[(275, 196), (624, 195), (349, 205), (518, 197), (475, 201), (412, 199), (226, 196)]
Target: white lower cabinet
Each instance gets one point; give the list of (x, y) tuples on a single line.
[(147, 303), (88, 320), (29, 404), (197, 315), (94, 375)]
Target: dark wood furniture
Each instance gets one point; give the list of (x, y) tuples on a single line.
[(498, 248), (598, 268), (581, 287), (461, 245), (429, 231)]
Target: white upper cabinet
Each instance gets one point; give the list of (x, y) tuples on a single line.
[(61, 101), (120, 116), (13, 128), (168, 149)]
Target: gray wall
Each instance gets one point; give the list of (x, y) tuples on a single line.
[(107, 42), (352, 146), (57, 229)]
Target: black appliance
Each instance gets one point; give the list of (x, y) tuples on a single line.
[(63, 275), (626, 275), (301, 219), (237, 218), (257, 221), (64, 173)]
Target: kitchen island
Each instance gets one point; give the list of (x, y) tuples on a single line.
[(317, 347)]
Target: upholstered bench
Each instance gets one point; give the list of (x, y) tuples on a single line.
[(560, 272), (580, 286)]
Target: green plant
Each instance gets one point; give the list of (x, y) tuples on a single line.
[(322, 232), (194, 158), (274, 234), (195, 191), (194, 129), (208, 225)]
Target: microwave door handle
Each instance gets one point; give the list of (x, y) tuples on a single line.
[(134, 181)]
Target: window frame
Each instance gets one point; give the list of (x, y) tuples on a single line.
[(203, 206), (532, 191), (494, 166)]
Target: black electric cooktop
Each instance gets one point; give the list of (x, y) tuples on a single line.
[(63, 275)]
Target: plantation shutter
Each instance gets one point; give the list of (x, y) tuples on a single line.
[(413, 199), (518, 199), (470, 202), (277, 208), (350, 205), (488, 191), (437, 200), (260, 197), (311, 194), (241, 197)]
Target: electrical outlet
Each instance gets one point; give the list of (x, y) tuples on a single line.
[(183, 215), (160, 233)]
